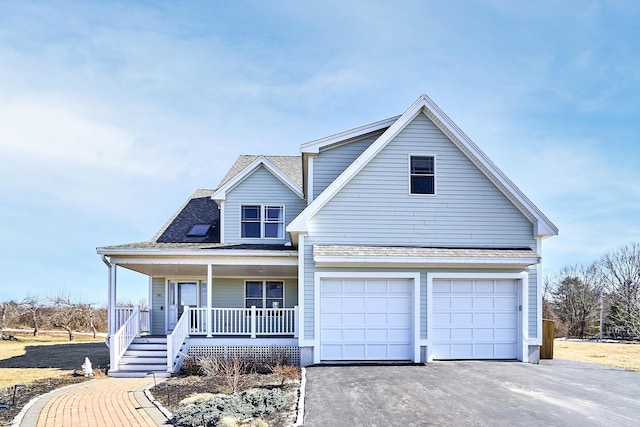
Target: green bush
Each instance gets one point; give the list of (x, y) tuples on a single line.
[(249, 404)]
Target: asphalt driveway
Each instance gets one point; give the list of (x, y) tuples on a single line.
[(554, 393)]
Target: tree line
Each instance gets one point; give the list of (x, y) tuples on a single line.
[(60, 313), (576, 295)]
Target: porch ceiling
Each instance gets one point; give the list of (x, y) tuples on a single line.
[(218, 270)]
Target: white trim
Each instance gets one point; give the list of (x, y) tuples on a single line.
[(263, 220), (415, 276), (435, 181), (222, 204), (221, 193), (209, 297), (539, 294), (314, 147), (522, 298), (301, 283), (264, 291), (309, 179), (543, 227), (390, 261)]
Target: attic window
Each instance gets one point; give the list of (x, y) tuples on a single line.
[(199, 230), (422, 175)]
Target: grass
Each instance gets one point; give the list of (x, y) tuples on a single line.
[(47, 355), (620, 355)]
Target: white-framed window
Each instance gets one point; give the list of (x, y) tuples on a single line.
[(422, 174), (264, 293), (262, 222)]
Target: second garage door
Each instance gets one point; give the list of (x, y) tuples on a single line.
[(365, 319), (475, 319)]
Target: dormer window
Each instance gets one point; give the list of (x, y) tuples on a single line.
[(422, 177), (262, 222)]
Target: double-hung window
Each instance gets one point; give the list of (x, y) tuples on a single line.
[(264, 294), (262, 222), (422, 175)]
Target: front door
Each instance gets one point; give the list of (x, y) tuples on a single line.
[(181, 293)]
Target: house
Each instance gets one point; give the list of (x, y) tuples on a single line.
[(399, 240)]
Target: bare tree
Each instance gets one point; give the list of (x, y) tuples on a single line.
[(8, 309), (33, 306), (620, 275), (574, 297), (68, 315)]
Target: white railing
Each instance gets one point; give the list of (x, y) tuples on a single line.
[(122, 314), (175, 340), (243, 321), (120, 341)]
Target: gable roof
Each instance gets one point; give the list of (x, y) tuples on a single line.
[(288, 169), (543, 227), (315, 146)]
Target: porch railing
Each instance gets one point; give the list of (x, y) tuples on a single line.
[(120, 341), (243, 321), (175, 340), (122, 314)]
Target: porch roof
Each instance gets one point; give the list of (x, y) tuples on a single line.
[(191, 259), (433, 256)]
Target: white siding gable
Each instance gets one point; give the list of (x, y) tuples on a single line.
[(375, 207), (260, 187)]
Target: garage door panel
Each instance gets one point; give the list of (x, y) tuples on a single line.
[(474, 319), (353, 319), (484, 287), (331, 286), (483, 303), (375, 320)]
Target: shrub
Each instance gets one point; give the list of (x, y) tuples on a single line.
[(250, 404), (285, 372)]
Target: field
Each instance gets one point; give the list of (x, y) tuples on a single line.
[(47, 355), (620, 355)]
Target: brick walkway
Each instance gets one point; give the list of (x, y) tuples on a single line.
[(99, 403)]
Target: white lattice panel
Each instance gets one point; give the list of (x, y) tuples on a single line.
[(263, 353)]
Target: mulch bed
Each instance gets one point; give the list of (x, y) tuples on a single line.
[(172, 391)]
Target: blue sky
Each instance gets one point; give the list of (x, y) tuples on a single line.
[(113, 113)]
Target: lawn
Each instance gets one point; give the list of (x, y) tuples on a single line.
[(621, 355), (48, 355)]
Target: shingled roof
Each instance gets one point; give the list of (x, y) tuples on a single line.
[(291, 166)]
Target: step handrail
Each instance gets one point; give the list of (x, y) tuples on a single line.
[(120, 341), (176, 339)]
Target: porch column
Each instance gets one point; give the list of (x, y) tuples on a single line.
[(209, 299), (112, 299)]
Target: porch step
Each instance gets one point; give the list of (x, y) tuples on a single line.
[(145, 356)]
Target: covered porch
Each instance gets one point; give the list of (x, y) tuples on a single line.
[(231, 297)]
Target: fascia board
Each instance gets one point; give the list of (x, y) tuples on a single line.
[(177, 260), (220, 193), (314, 147), (333, 261), (545, 226), (198, 253)]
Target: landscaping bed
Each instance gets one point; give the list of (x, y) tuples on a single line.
[(232, 395)]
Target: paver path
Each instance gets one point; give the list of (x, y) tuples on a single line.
[(99, 403)]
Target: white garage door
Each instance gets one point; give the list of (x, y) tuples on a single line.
[(365, 319), (475, 319)]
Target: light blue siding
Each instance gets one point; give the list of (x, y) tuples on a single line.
[(158, 306), (375, 208), (229, 293), (332, 162), (261, 187)]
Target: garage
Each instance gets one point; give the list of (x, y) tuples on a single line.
[(475, 319), (366, 319)]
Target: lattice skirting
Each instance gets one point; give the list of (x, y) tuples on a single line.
[(263, 353)]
